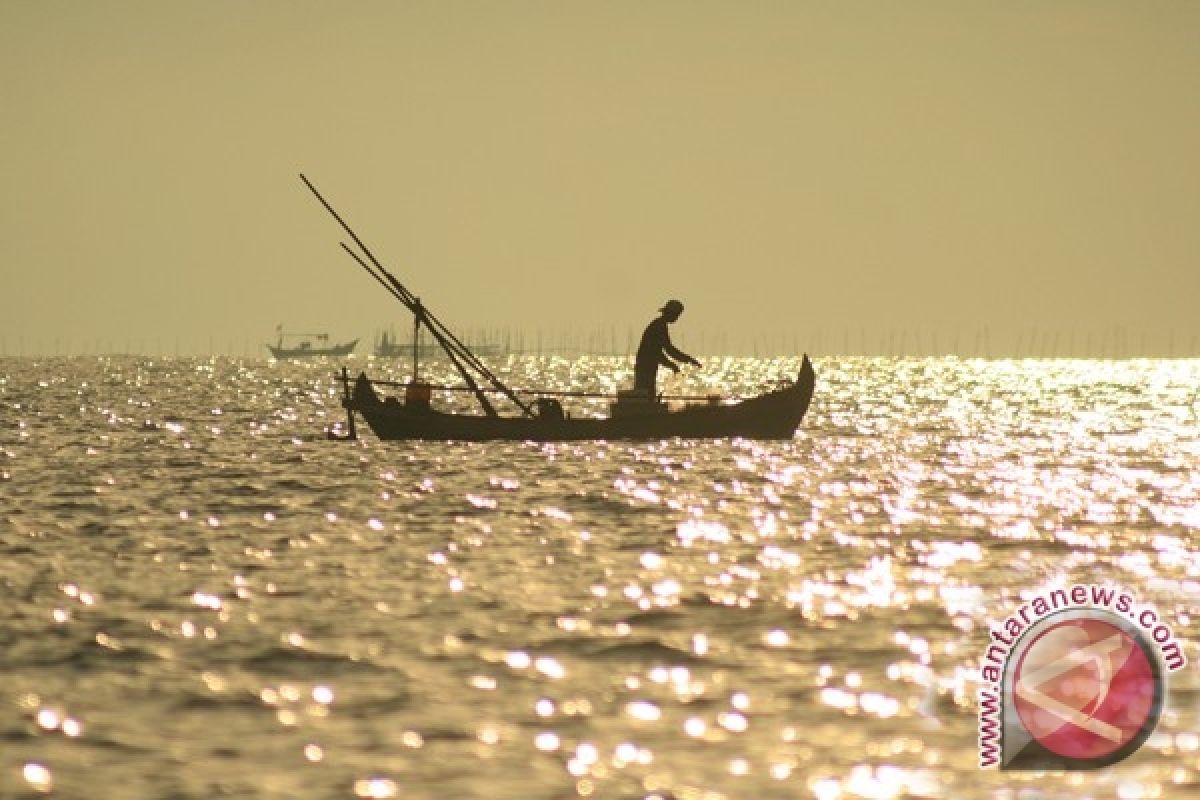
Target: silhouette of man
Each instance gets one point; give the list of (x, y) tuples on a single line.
[(655, 347)]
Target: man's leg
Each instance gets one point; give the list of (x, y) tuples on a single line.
[(644, 379)]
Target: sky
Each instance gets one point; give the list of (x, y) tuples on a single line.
[(830, 174)]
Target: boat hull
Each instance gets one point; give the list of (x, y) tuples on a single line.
[(312, 352), (773, 415)]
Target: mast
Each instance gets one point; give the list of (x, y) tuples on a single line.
[(459, 354), (397, 291), (416, 340)]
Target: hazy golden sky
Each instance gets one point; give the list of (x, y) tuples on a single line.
[(777, 166)]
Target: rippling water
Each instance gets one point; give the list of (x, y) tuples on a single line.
[(205, 598)]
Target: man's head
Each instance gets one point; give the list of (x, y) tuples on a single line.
[(672, 310)]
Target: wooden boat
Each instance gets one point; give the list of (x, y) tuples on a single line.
[(774, 414), (305, 348)]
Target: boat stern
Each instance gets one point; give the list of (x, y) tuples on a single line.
[(362, 397)]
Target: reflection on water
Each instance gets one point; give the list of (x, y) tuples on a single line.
[(205, 598)]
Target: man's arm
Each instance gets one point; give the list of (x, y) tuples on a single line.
[(679, 355)]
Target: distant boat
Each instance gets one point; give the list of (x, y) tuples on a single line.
[(387, 346), (305, 348)]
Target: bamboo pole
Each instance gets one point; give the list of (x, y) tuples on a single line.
[(455, 350)]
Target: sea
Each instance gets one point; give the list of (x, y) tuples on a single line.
[(202, 596)]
